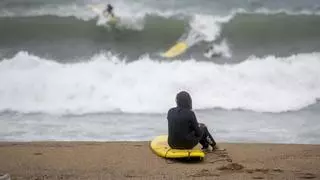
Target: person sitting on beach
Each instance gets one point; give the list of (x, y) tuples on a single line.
[(109, 10), (184, 130)]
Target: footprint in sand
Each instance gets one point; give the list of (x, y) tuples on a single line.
[(231, 167), (5, 177), (265, 171), (257, 177), (306, 176), (204, 173), (222, 155)]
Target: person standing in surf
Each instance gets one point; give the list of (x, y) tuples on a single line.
[(184, 130), (109, 10)]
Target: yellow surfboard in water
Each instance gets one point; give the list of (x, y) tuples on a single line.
[(112, 20), (160, 146), (176, 50)]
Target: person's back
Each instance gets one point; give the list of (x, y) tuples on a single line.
[(184, 131), (181, 133)]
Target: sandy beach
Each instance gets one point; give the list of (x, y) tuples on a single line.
[(135, 160)]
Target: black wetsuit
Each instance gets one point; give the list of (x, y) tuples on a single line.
[(109, 10), (184, 130)]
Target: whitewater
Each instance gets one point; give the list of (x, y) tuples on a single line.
[(252, 70), (106, 83)]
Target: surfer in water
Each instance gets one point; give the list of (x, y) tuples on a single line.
[(211, 52), (184, 130), (109, 10)]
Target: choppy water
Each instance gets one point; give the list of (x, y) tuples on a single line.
[(65, 76)]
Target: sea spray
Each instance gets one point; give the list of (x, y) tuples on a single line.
[(106, 83)]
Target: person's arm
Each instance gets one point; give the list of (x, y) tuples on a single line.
[(195, 125)]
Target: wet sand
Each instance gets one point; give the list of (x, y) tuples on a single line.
[(135, 160)]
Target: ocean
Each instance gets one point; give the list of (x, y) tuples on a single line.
[(66, 75)]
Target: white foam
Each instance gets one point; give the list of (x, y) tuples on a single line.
[(65, 10), (128, 15), (208, 25), (132, 15), (221, 49), (207, 28), (285, 11), (106, 83), (204, 27)]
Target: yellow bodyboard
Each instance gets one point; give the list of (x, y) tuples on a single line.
[(176, 50), (160, 146), (113, 20)]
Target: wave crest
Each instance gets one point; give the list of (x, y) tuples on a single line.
[(106, 83)]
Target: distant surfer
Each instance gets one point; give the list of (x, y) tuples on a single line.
[(109, 10), (210, 53), (184, 130), (218, 49)]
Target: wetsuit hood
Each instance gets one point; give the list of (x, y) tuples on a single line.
[(183, 100)]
